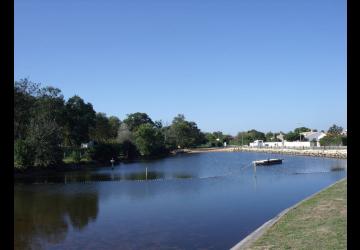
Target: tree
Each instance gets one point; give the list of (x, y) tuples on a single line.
[(149, 140), (44, 140), (331, 140), (101, 132), (302, 130), (80, 117), (124, 134), (129, 150), (216, 138), (270, 136), (184, 133), (133, 121), (335, 130), (114, 126), (25, 93), (292, 136), (23, 154), (244, 138)]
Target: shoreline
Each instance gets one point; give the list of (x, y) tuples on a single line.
[(249, 240), (329, 153)]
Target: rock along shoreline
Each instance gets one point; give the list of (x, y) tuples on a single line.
[(330, 153)]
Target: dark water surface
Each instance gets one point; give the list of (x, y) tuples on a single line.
[(196, 201)]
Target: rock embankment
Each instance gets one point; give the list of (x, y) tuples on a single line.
[(332, 153)]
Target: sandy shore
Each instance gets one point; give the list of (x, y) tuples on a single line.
[(332, 153)]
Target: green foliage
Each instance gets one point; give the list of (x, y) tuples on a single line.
[(335, 130), (216, 139), (124, 134), (149, 140), (80, 117), (102, 131), (23, 154), (45, 139), (331, 140), (24, 100), (301, 130), (244, 138), (75, 156), (128, 150), (184, 134), (344, 140), (133, 121), (114, 123), (104, 152), (292, 136)]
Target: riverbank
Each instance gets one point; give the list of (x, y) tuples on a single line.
[(331, 153), (318, 222)]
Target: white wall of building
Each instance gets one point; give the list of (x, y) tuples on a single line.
[(289, 144), (294, 144), (257, 143)]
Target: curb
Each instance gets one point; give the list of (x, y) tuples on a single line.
[(248, 240)]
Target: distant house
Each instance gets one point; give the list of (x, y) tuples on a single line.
[(256, 143), (89, 144), (344, 132), (280, 136), (313, 136)]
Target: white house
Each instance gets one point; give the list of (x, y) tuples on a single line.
[(256, 143), (280, 136), (87, 145), (344, 132), (314, 136), (274, 144)]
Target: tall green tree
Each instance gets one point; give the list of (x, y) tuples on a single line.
[(114, 126), (44, 139), (133, 121), (301, 130), (149, 140), (25, 93), (244, 138), (124, 134), (184, 133), (101, 132), (335, 130), (80, 117)]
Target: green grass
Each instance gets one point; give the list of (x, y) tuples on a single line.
[(70, 160), (318, 223)]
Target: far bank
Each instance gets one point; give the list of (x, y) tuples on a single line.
[(331, 153)]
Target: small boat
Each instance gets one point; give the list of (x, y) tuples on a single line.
[(267, 162)]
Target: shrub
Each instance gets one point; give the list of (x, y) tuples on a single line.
[(75, 156), (104, 152), (331, 140), (23, 154)]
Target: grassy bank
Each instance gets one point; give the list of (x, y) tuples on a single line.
[(317, 223)]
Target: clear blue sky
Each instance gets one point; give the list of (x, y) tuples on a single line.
[(227, 65)]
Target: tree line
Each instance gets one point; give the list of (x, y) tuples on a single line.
[(52, 131)]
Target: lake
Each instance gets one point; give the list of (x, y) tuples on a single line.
[(191, 201)]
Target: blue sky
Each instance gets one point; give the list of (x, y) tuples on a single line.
[(227, 65)]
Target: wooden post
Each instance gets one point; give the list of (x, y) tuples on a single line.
[(146, 173)]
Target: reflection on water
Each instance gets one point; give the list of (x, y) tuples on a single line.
[(47, 216), (174, 203)]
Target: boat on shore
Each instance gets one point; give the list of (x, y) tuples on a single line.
[(267, 162)]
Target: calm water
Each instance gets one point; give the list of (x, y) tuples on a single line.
[(197, 201)]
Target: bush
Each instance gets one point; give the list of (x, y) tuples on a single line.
[(331, 140), (128, 150), (344, 140), (75, 156), (23, 154), (104, 152)]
